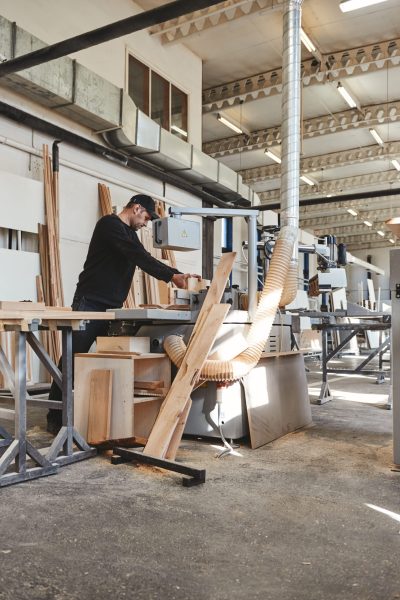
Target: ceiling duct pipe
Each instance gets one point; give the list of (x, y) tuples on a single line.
[(290, 167), (103, 34), (335, 199), (233, 367)]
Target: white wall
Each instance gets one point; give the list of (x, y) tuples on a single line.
[(53, 21), (356, 274)]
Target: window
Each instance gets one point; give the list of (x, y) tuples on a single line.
[(161, 100), (138, 84)]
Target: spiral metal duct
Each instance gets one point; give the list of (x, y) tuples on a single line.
[(283, 268)]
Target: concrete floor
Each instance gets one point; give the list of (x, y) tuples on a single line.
[(287, 521)]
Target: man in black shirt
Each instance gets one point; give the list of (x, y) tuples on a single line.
[(114, 253)]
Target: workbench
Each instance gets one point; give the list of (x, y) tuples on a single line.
[(16, 452), (352, 329)]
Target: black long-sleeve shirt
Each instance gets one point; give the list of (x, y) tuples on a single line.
[(114, 252)]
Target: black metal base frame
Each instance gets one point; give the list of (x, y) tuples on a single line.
[(196, 476)]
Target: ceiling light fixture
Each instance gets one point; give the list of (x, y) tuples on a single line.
[(307, 41), (349, 5), (395, 163), (346, 96), (352, 212), (307, 180), (229, 124), (376, 137), (273, 156), (391, 241), (368, 223), (379, 232)]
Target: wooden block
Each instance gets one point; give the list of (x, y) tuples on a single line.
[(123, 344), (148, 385), (99, 406), (276, 397), (122, 368)]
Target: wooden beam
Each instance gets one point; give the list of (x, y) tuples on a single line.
[(186, 378)]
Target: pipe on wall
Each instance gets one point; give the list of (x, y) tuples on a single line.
[(132, 162)]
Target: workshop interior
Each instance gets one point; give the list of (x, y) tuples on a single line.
[(267, 133)]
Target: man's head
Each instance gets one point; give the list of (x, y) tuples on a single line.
[(141, 209)]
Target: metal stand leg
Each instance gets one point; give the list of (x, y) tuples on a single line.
[(20, 447), (325, 393), (67, 436), (196, 476)]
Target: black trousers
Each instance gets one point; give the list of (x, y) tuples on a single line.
[(81, 342)]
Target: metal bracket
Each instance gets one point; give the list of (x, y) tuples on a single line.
[(196, 476), (397, 290)]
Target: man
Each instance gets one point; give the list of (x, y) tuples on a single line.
[(114, 253)]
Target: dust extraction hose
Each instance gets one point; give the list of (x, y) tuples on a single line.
[(239, 366)]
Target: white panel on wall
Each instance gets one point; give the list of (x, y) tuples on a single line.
[(18, 275), (14, 161), (21, 202)]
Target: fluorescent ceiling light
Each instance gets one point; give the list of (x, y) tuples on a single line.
[(179, 130), (273, 156), (229, 124), (349, 5), (396, 164), (307, 41), (346, 96), (368, 223), (307, 180), (376, 137), (379, 232), (352, 212), (391, 241)]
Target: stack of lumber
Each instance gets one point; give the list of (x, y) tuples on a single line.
[(49, 284), (145, 289)]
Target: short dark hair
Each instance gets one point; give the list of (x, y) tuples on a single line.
[(146, 202)]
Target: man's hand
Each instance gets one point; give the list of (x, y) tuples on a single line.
[(180, 279)]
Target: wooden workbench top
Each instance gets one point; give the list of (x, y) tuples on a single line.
[(54, 315)]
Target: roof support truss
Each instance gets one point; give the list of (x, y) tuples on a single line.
[(326, 124), (333, 66)]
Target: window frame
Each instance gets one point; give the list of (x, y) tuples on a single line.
[(148, 88)]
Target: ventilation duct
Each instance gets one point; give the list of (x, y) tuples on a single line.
[(87, 98)]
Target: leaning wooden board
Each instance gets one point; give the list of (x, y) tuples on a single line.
[(182, 386)]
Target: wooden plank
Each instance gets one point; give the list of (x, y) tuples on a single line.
[(55, 314), (177, 435), (122, 392), (216, 288), (99, 417), (276, 397), (186, 378), (148, 385), (8, 305)]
